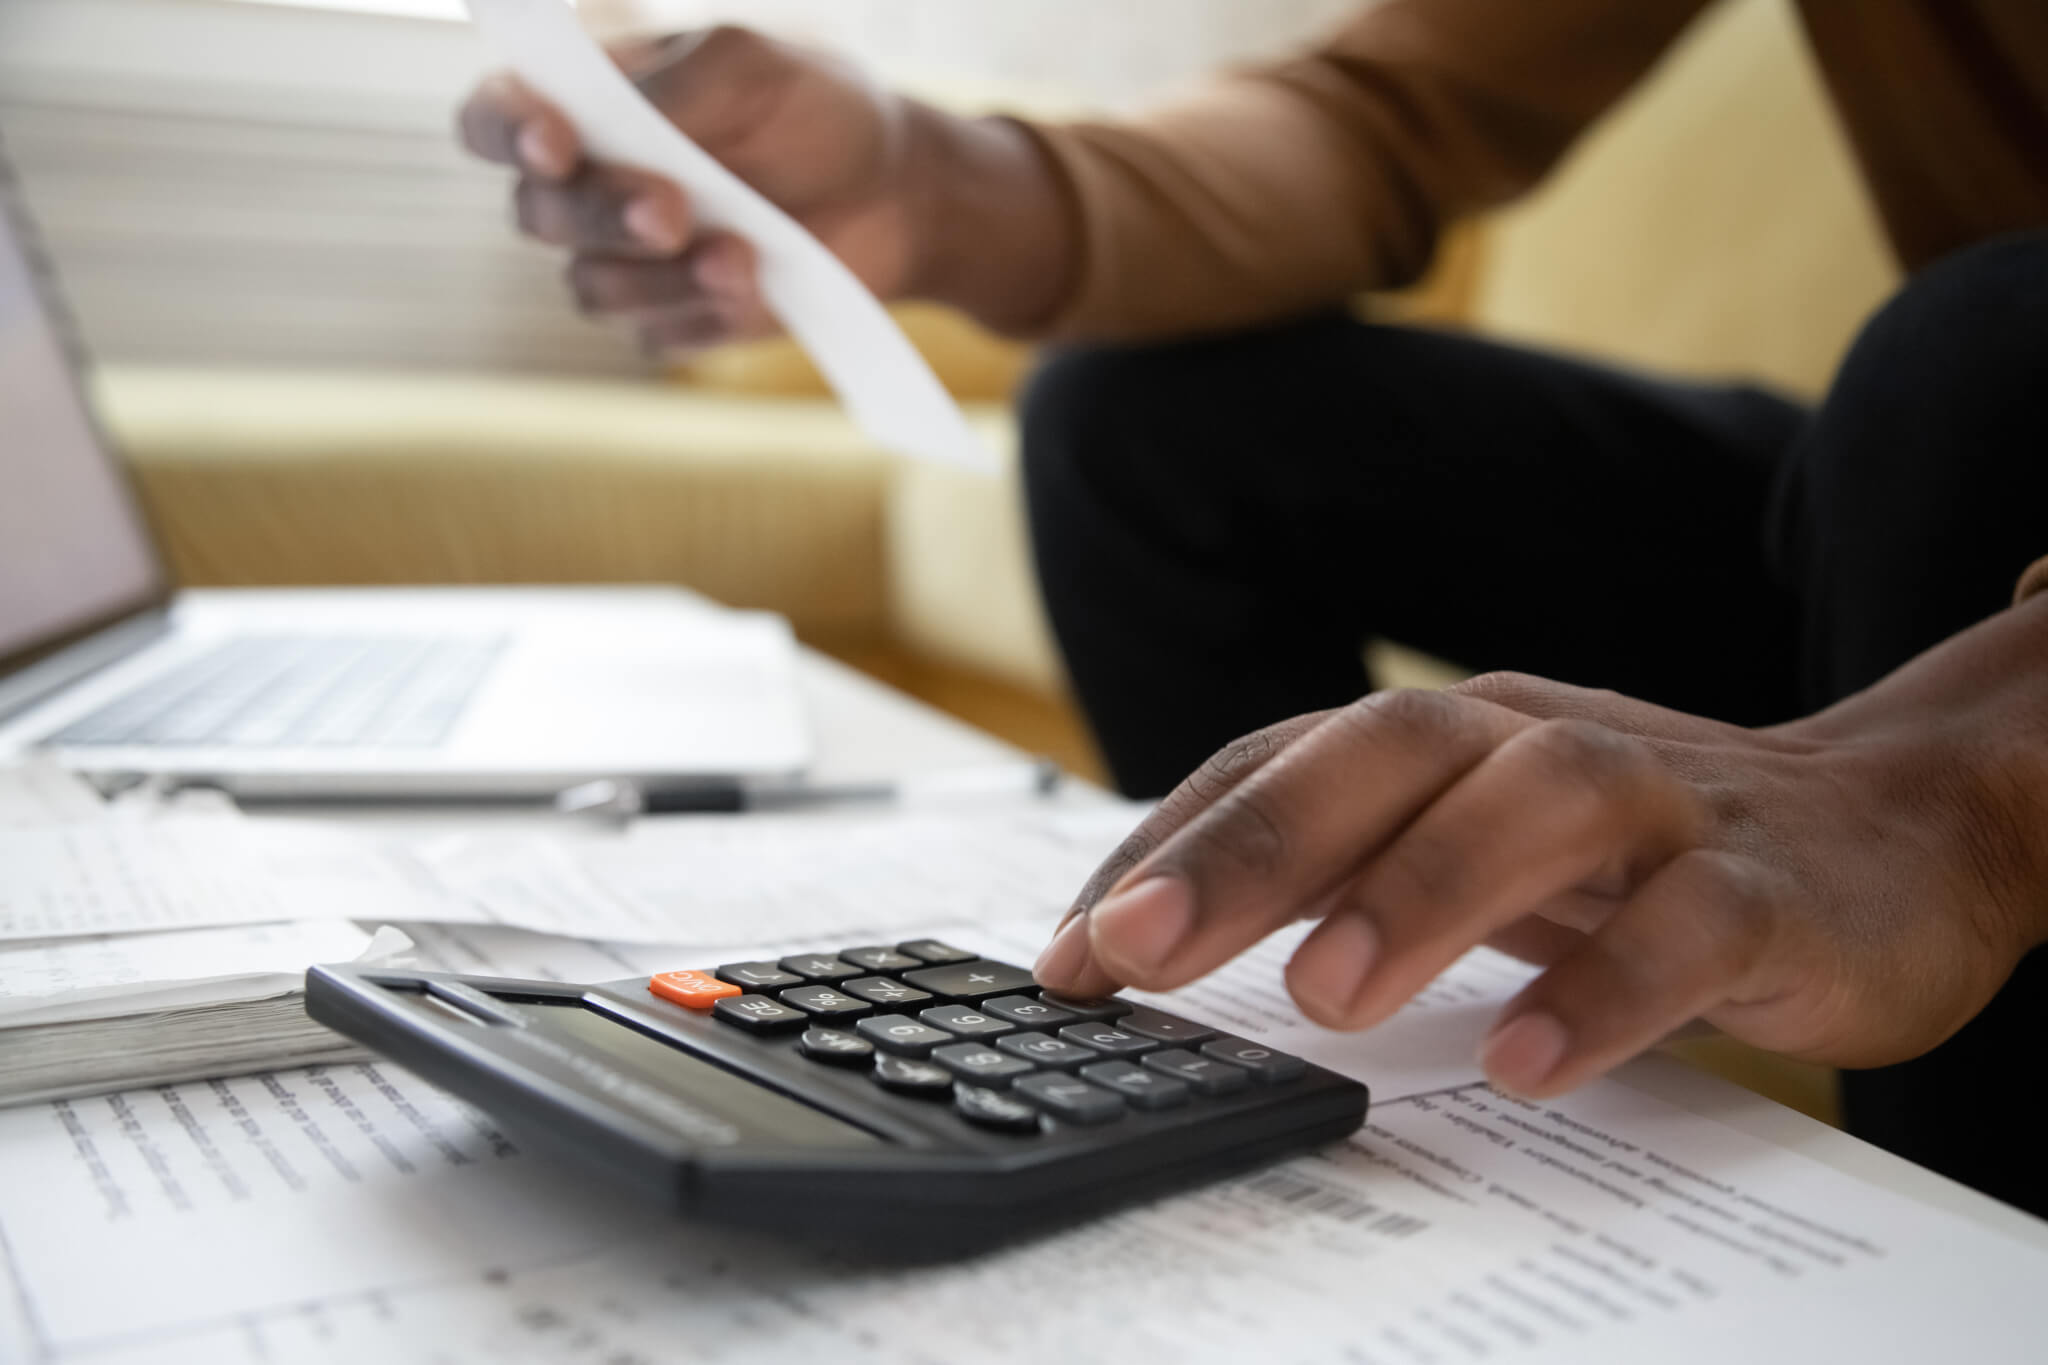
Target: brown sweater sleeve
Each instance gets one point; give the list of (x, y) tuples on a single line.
[(1277, 189)]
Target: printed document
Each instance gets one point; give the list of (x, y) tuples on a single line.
[(681, 879), (352, 1213), (128, 875), (712, 878), (38, 792)]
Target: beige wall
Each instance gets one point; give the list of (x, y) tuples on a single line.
[(1715, 225)]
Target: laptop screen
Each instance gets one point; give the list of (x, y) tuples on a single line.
[(74, 551)]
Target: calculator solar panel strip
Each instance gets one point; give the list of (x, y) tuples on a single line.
[(736, 1126)]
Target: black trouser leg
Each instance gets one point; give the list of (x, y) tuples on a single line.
[(1221, 524), (1912, 503)]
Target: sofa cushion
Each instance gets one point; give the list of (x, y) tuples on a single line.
[(261, 477)]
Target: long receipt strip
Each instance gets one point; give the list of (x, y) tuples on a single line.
[(350, 1213), (879, 376)]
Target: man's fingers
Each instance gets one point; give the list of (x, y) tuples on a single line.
[(1535, 940), (506, 122), (605, 208), (1066, 964), (715, 83), (1224, 769), (714, 275), (1276, 844), (1682, 944), (693, 327), (1558, 805)]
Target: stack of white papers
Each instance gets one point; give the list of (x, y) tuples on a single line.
[(149, 1009), (82, 1012)]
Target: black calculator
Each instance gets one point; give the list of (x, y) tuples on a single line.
[(915, 1098)]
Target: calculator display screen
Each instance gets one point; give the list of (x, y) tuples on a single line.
[(693, 1091)]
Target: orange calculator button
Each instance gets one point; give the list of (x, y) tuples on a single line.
[(692, 990)]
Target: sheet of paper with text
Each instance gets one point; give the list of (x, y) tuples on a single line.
[(350, 1213), (885, 384)]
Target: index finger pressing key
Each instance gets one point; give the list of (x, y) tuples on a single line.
[(1277, 845)]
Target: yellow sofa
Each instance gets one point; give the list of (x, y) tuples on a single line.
[(1713, 226)]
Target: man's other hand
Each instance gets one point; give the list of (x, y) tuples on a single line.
[(830, 149), (1850, 888), (917, 202)]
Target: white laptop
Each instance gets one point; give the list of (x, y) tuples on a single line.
[(402, 692)]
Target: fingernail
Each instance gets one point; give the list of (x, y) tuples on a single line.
[(538, 152), (1520, 1055), (650, 221), (1332, 966), (1062, 959), (1141, 925)]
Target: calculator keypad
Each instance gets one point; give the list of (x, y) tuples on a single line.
[(835, 1046), (1044, 1050), (1066, 1098), (820, 967), (993, 1109), (1207, 1075), (1162, 1027), (758, 976), (909, 1076), (878, 959), (1109, 1008), (932, 951), (1262, 1062), (902, 1035), (1142, 1089), (758, 1013), (927, 1019), (1028, 1012), (966, 1022), (1107, 1038), (971, 980), (981, 1064), (824, 1000), (881, 990), (691, 990)]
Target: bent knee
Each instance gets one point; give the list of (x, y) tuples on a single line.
[(1941, 387), (1970, 324)]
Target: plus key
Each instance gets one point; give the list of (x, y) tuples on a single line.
[(971, 980)]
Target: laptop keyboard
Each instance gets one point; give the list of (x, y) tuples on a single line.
[(304, 691)]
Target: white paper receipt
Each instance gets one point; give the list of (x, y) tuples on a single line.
[(884, 383)]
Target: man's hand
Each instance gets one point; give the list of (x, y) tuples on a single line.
[(916, 202), (1850, 888)]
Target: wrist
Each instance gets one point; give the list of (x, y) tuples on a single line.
[(991, 229), (1960, 734)]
